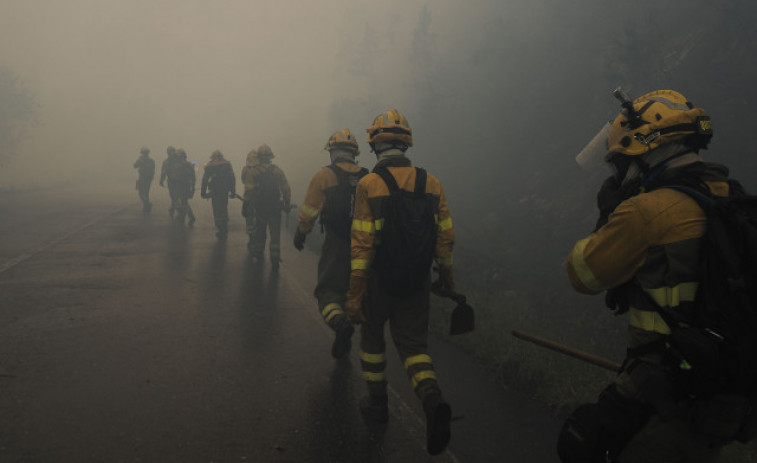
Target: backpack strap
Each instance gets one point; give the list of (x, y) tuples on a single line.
[(420, 181), (391, 182), (338, 172), (705, 201), (341, 174), (389, 179)]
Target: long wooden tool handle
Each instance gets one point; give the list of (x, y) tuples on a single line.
[(563, 349)]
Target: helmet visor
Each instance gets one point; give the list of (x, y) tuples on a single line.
[(593, 154)]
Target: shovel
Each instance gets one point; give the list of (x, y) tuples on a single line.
[(463, 319)]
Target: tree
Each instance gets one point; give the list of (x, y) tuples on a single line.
[(18, 112)]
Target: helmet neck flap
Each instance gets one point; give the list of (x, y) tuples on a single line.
[(644, 169), (342, 155), (389, 152)]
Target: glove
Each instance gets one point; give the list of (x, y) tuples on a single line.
[(616, 299), (445, 280), (611, 194), (299, 240), (609, 197)]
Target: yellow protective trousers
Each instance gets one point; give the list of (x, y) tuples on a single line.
[(408, 325), (333, 278)]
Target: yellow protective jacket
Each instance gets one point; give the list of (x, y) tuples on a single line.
[(250, 162), (367, 221), (651, 240), (246, 169), (323, 181)]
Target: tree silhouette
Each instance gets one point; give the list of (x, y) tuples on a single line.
[(18, 112)]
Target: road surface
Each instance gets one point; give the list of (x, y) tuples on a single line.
[(126, 338)]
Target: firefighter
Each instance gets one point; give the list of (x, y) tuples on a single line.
[(267, 187), (146, 170), (644, 252), (165, 174), (247, 210), (183, 178), (219, 184), (331, 195), (371, 302)]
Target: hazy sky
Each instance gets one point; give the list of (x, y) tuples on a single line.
[(480, 81), (112, 75)]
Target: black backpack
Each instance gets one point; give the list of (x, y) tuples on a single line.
[(408, 236), (268, 192), (338, 209), (714, 346)]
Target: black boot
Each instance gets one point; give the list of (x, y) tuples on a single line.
[(343, 340), (375, 407), (438, 416)]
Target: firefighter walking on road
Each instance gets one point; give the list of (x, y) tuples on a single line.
[(248, 212), (183, 179), (267, 187), (219, 184), (331, 195), (166, 169), (401, 224), (146, 170)]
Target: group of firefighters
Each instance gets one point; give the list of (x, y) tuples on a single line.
[(266, 193), (351, 205), (643, 252)]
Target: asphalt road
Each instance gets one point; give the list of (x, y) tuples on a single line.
[(126, 338)]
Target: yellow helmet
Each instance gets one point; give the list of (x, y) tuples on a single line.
[(343, 139), (653, 120), (264, 151), (217, 154), (390, 126)]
